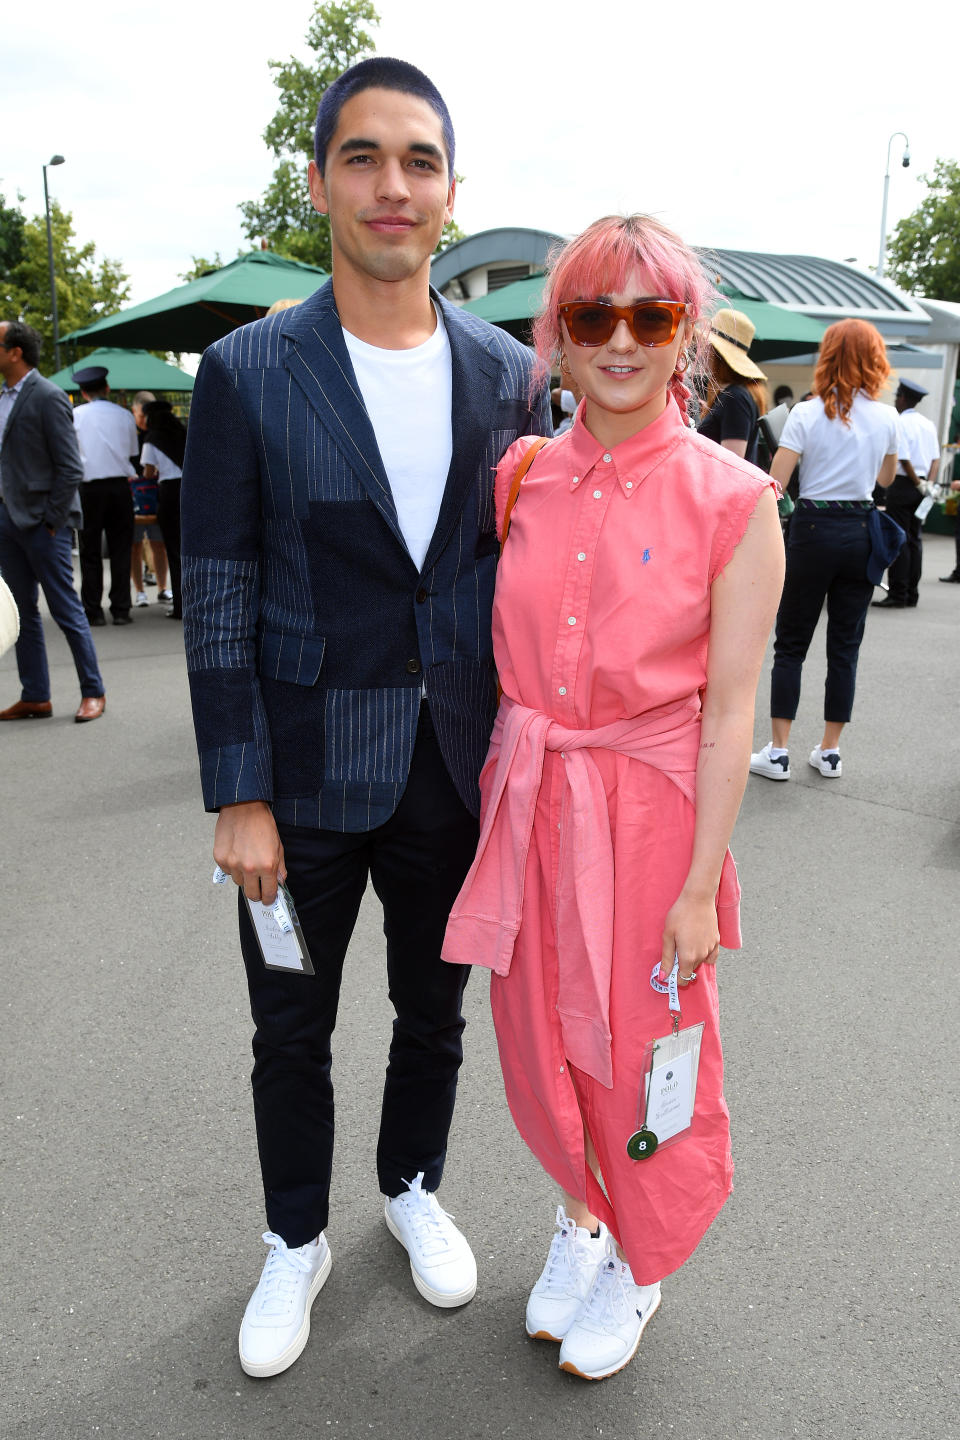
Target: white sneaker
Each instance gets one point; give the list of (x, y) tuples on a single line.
[(606, 1333), (165, 597), (828, 764), (761, 764), (441, 1261), (276, 1322), (141, 599), (572, 1264)]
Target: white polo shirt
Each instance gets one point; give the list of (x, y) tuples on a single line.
[(919, 442), (107, 436), (166, 468), (838, 461)]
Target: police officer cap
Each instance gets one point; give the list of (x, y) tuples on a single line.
[(912, 388), (92, 375)]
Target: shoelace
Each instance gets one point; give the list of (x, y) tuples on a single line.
[(607, 1300), (568, 1252), (425, 1217), (278, 1283)]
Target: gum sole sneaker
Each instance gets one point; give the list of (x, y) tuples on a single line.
[(606, 1334), (566, 1278), (828, 765), (276, 1323), (441, 1261), (761, 764)]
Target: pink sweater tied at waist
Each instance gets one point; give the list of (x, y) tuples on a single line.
[(486, 915)]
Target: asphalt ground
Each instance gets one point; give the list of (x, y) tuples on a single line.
[(822, 1303)]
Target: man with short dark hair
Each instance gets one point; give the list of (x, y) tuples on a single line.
[(40, 470), (108, 448), (339, 551)]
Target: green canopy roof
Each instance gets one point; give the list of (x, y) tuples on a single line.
[(192, 316), (780, 332), (128, 370)]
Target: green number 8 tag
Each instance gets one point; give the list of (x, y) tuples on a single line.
[(641, 1145)]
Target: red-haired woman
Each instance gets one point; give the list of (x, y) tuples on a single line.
[(846, 441), (634, 599)]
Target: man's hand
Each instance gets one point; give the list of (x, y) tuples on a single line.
[(247, 847)]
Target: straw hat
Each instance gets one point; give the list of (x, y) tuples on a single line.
[(731, 333)]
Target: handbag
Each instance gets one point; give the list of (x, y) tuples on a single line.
[(9, 618), (886, 541), (515, 484)]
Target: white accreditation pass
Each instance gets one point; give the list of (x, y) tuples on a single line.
[(277, 930)]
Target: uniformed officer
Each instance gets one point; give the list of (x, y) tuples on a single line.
[(109, 448), (919, 462)]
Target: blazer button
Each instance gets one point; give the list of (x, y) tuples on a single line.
[(413, 666), (421, 595)]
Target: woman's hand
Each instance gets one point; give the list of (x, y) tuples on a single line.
[(691, 933)]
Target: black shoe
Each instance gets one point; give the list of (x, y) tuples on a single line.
[(124, 619), (912, 604), (952, 579), (96, 619), (888, 603), (174, 614)]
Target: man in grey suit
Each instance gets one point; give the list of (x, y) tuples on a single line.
[(339, 551), (40, 470)]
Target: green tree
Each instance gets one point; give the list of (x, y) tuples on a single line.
[(88, 287), (283, 215), (924, 251), (201, 266)]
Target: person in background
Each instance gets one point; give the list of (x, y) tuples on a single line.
[(566, 403), (107, 436), (736, 394), (846, 441), (161, 459), (919, 463), (616, 770), (783, 395), (148, 530), (40, 470)]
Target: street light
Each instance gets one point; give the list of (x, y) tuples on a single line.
[(886, 191), (54, 160)]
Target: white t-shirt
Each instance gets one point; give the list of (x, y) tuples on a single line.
[(919, 442), (107, 437), (166, 469), (841, 462), (408, 395)]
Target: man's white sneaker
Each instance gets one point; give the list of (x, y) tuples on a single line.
[(441, 1261), (762, 764), (141, 599), (276, 1322), (572, 1264), (828, 764), (606, 1333)]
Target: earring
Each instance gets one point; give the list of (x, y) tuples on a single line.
[(682, 363)]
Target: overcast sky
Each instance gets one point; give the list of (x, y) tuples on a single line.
[(744, 126)]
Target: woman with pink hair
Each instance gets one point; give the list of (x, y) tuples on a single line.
[(634, 599)]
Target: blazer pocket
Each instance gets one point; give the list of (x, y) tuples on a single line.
[(296, 659)]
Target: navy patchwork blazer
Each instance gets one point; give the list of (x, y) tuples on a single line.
[(309, 631)]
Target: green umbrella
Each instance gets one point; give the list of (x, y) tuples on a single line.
[(128, 370), (194, 315), (780, 332)]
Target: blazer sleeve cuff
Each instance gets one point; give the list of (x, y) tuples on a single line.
[(234, 774)]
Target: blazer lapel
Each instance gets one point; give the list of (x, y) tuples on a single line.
[(25, 398), (319, 363), (476, 380)]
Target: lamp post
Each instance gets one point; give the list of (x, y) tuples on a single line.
[(886, 191), (54, 160)]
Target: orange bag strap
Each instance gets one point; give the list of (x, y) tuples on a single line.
[(516, 482)]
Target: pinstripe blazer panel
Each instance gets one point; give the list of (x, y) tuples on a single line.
[(309, 629)]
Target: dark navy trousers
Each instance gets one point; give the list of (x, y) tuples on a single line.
[(31, 560), (827, 554), (417, 862)]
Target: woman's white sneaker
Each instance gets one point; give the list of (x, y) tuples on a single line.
[(441, 1261), (276, 1322), (606, 1333), (566, 1278), (828, 764), (774, 769)]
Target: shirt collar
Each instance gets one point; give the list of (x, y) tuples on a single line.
[(632, 460), (15, 389)]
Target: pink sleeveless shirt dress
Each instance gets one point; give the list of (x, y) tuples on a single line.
[(601, 626)]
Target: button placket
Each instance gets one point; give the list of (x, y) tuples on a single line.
[(590, 510)]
